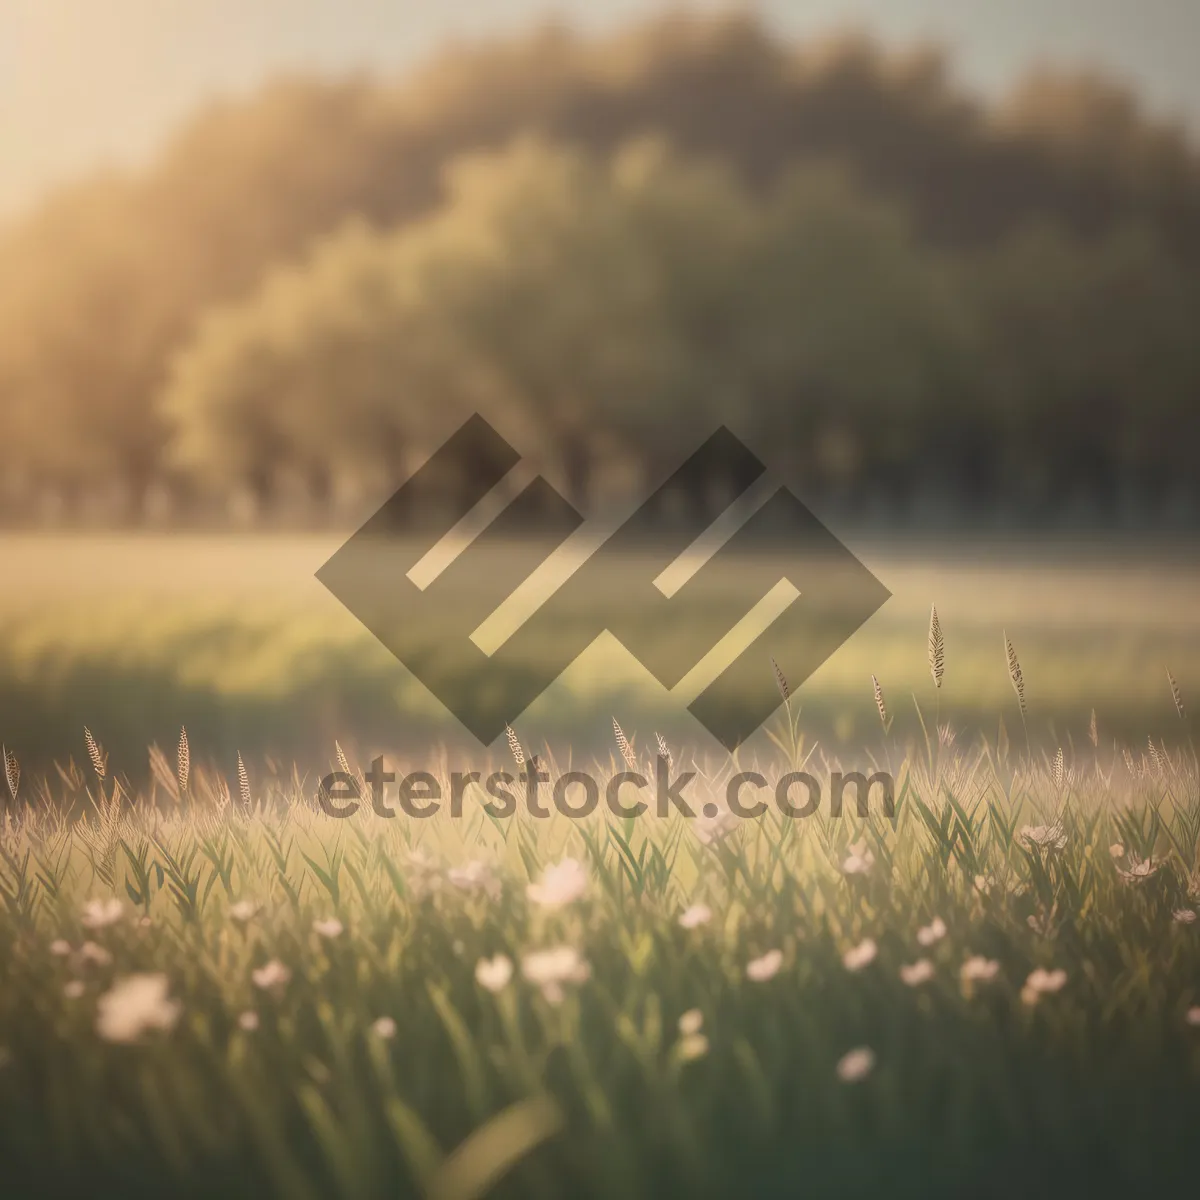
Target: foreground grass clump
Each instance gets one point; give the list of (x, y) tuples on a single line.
[(994, 992)]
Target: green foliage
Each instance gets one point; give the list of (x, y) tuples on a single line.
[(842, 250), (625, 306)]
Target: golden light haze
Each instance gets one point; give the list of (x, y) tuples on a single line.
[(91, 82)]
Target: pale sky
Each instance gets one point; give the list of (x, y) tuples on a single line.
[(91, 82)]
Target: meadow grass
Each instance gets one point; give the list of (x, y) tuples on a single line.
[(213, 988)]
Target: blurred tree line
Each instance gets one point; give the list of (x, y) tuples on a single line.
[(919, 303)]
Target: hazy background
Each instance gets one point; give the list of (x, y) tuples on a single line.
[(83, 84), (948, 278), (938, 262)]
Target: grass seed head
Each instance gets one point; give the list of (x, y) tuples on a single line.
[(623, 745), (12, 772), (514, 745), (784, 690), (1157, 758), (937, 648), (243, 782), (879, 701), (1177, 696), (1014, 672), (98, 758), (664, 750), (184, 761)]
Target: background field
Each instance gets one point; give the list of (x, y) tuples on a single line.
[(234, 637)]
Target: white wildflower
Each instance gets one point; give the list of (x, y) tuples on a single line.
[(60, 947), (98, 914), (861, 955), (92, 955), (475, 876), (561, 884), (1139, 870), (695, 915), (713, 829), (1185, 916), (248, 1021), (384, 1028), (424, 874), (494, 973), (74, 989), (914, 974), (927, 935), (328, 928), (1193, 1015), (1042, 983), (243, 911), (1044, 837), (1117, 850), (759, 970), (691, 1022), (978, 969), (271, 977), (550, 969), (1045, 922), (133, 1006), (693, 1046), (859, 860), (856, 1065)]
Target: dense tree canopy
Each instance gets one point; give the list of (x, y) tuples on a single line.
[(625, 305), (832, 247)]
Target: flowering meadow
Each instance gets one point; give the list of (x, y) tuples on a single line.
[(208, 990)]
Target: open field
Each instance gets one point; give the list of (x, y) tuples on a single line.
[(213, 988), (234, 638), (211, 998)]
